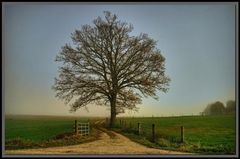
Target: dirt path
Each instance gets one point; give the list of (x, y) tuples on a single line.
[(109, 143)]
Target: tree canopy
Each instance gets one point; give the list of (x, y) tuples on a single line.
[(109, 67), (218, 108), (231, 106), (215, 108)]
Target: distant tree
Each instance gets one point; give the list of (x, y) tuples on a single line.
[(230, 106), (214, 109), (109, 67)]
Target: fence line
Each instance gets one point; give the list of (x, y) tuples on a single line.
[(139, 130)]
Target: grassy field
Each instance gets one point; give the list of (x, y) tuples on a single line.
[(41, 131), (203, 134)]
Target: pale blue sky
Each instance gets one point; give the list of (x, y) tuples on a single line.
[(198, 42)]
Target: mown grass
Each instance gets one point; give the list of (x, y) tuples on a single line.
[(203, 134), (43, 131)]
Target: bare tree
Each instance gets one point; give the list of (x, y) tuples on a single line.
[(109, 67)]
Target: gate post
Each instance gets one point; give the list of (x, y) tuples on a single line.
[(76, 127), (139, 128)]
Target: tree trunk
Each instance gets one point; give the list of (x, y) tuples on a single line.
[(113, 111)]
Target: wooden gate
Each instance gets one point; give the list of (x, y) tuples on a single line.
[(82, 128)]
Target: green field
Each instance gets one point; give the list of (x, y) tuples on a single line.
[(203, 134), (37, 128), (40, 131)]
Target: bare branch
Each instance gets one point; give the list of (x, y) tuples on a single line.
[(106, 66)]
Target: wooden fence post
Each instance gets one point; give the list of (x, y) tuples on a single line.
[(106, 121), (139, 128), (76, 127), (182, 134), (153, 132), (88, 128)]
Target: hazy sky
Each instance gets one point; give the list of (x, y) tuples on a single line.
[(198, 42)]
